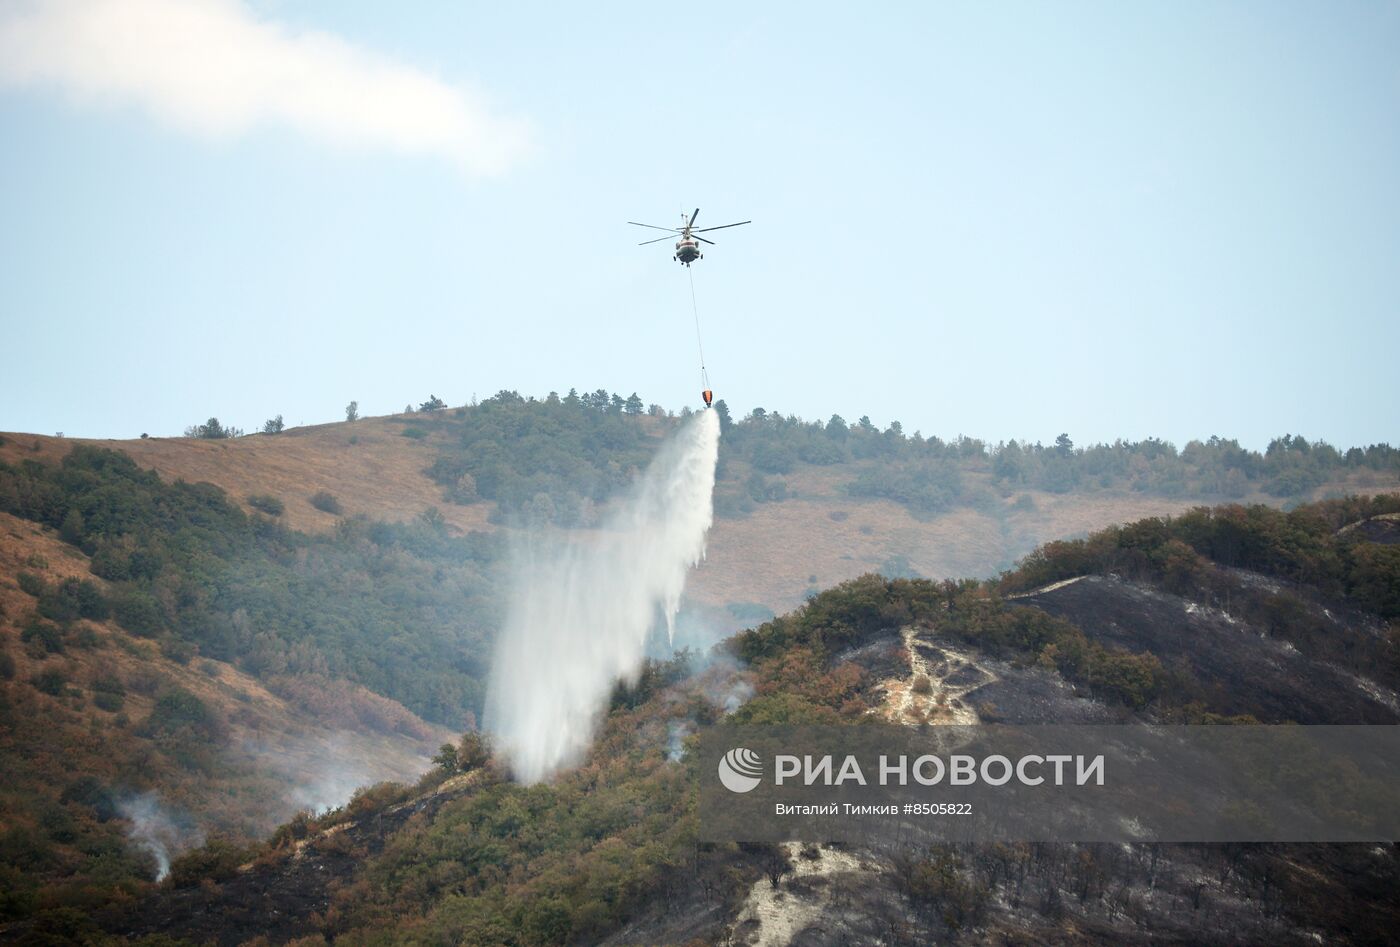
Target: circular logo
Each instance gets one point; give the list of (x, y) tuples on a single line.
[(740, 769)]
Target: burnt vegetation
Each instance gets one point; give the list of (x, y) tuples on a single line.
[(1153, 629), (607, 853)]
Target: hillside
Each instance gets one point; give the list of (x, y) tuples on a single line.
[(201, 637), (1160, 620), (795, 512), (118, 752)]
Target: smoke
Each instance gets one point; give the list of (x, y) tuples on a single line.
[(157, 830), (723, 682), (732, 695), (581, 611), (676, 732), (322, 772)]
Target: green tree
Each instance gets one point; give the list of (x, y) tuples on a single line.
[(633, 405), (273, 425), (725, 423), (72, 529), (212, 430), (434, 403), (352, 411), (446, 759)]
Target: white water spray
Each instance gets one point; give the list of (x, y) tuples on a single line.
[(581, 611)]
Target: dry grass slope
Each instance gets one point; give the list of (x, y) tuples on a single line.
[(773, 557), (300, 746)]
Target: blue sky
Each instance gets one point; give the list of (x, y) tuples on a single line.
[(1003, 220)]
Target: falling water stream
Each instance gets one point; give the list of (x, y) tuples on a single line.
[(581, 610)]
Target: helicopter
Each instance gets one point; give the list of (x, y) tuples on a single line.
[(688, 247)]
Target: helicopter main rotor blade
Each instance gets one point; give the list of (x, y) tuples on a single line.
[(703, 240), (654, 227), (722, 226), (657, 240), (692, 219)]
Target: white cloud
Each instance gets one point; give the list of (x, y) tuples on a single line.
[(215, 68)]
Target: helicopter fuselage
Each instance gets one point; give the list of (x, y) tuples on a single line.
[(687, 250)]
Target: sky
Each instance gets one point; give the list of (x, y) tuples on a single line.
[(1004, 220)]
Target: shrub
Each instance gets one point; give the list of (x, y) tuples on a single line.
[(74, 598), (414, 433), (179, 710), (732, 505), (774, 458), (72, 528), (273, 425), (266, 503), (91, 602), (822, 453), (217, 860), (112, 703), (326, 502), (50, 682), (177, 650), (138, 612), (763, 489), (44, 634), (31, 584), (299, 827), (369, 799), (88, 792)]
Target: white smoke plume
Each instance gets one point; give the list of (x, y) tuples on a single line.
[(157, 830), (676, 732), (581, 611), (322, 772)]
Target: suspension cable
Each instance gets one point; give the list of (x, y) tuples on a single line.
[(695, 307)]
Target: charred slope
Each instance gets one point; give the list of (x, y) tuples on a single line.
[(1147, 632), (286, 892), (1231, 664)]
